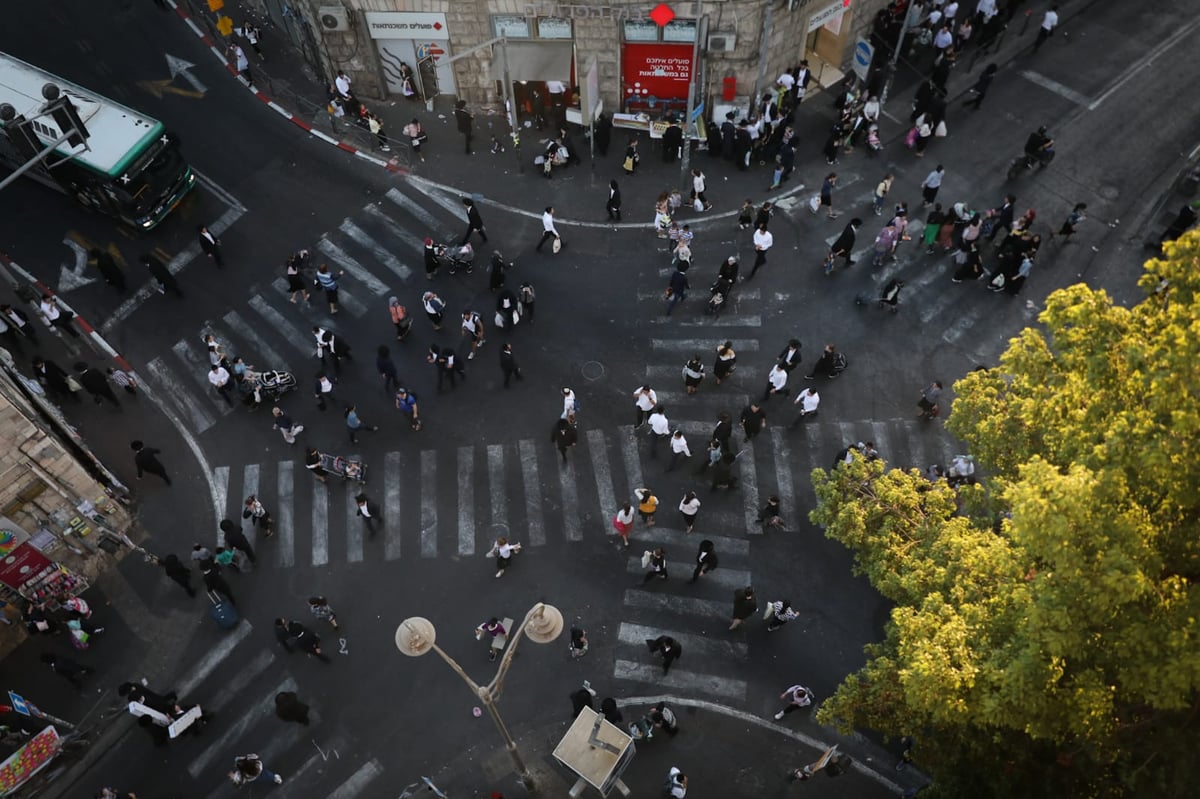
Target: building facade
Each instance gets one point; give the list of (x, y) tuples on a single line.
[(630, 61), (59, 521)]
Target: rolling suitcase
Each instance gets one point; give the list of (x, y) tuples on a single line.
[(222, 611)]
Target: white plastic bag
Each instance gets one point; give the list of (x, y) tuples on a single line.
[(814, 203), (698, 204)]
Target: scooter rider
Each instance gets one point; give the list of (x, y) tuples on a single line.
[(1039, 147)]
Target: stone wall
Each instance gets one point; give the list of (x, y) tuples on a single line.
[(598, 33)]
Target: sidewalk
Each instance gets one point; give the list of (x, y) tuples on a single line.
[(724, 752), (578, 193)]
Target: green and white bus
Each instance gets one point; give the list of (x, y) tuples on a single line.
[(130, 169)]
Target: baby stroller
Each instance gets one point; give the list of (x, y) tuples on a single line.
[(350, 468), (273, 384), (455, 257), (719, 295)]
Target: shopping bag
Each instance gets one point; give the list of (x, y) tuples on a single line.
[(697, 204), (769, 610), (940, 131), (557, 244), (814, 203), (646, 556), (910, 139), (628, 163)]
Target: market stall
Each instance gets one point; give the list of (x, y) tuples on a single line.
[(25, 569), (27, 761)]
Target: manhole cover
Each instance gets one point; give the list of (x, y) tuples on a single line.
[(593, 370)]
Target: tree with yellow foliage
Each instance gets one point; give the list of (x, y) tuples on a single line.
[(1045, 639)]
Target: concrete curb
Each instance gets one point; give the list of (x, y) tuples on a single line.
[(766, 724), (396, 169)]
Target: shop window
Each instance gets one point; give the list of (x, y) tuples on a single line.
[(641, 30), (513, 27), (679, 31), (554, 28)]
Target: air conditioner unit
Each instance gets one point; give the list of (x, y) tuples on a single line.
[(722, 42), (334, 18)]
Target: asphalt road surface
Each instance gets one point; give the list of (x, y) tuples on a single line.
[(483, 466)]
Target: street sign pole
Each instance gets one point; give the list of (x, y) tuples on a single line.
[(26, 708)]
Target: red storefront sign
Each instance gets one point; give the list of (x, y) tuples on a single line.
[(656, 70), (22, 565)]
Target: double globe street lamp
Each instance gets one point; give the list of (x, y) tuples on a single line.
[(543, 623)]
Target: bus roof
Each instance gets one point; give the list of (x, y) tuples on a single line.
[(118, 134)]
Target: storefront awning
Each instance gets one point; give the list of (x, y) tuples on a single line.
[(533, 61)]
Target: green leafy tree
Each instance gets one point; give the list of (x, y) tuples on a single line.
[(1045, 639)]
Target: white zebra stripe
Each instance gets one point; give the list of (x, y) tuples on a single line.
[(362, 238), (174, 392), (356, 270), (535, 523)]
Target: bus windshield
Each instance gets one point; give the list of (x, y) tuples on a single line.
[(153, 175)]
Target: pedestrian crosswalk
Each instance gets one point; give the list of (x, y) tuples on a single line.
[(235, 681), (380, 254), (455, 501)]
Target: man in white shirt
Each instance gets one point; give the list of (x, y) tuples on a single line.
[(55, 317), (943, 38), (660, 428), (1049, 23), (219, 378), (548, 230), (763, 240), (342, 83), (808, 400), (786, 81), (679, 449), (776, 383), (986, 9), (644, 399)]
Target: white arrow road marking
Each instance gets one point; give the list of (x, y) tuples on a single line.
[(72, 279), (180, 67)]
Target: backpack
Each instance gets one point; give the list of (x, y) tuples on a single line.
[(839, 362)]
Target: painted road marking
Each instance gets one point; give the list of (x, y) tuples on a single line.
[(535, 522), (784, 488), (417, 212), (675, 604), (198, 367), (726, 578), (363, 239), (598, 450), (695, 645), (391, 506), (237, 728), (320, 523), (466, 500), (693, 345), (249, 486), (356, 270), (411, 239), (174, 393), (213, 656), (429, 504), (570, 501), (302, 341), (499, 500), (354, 528), (285, 544), (246, 331), (679, 679)]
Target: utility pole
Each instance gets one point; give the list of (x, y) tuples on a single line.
[(686, 160)]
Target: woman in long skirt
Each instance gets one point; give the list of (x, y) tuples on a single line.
[(725, 363), (693, 374)]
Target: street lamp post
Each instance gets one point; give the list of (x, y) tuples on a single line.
[(543, 623)]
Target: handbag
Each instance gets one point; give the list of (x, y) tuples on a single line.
[(910, 139), (73, 385), (940, 131), (629, 163)]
